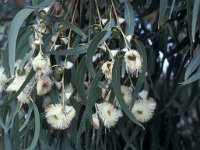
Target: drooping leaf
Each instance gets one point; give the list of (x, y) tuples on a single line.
[(72, 51), (94, 94), (37, 128), (162, 10), (116, 75), (80, 74), (28, 116), (140, 47), (194, 18), (91, 50), (13, 32), (129, 18), (16, 133)]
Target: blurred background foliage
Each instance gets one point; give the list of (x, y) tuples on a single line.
[(170, 35)]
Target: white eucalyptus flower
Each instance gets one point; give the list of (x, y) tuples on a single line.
[(107, 69), (43, 85), (59, 117), (133, 62), (143, 110), (108, 114), (41, 62), (126, 92)]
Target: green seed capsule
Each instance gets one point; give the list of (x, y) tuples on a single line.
[(42, 13), (21, 72), (60, 26), (96, 28), (58, 70)]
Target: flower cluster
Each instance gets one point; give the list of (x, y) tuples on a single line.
[(51, 72)]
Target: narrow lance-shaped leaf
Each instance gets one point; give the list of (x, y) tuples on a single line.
[(194, 18), (80, 74), (140, 47), (37, 128), (162, 10), (93, 96), (16, 133), (12, 35), (116, 74), (91, 50), (28, 116), (73, 51), (130, 18)]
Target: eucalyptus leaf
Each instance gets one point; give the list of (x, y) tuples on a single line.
[(140, 47), (37, 128), (80, 74), (91, 50), (16, 133), (129, 18), (13, 33), (116, 74), (194, 17), (73, 51), (162, 11)]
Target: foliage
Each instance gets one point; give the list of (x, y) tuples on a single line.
[(74, 35)]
